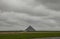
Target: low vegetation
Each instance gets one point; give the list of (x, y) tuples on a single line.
[(29, 35)]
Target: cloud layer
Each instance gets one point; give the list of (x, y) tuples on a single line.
[(19, 14)]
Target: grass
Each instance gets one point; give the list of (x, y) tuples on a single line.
[(29, 35)]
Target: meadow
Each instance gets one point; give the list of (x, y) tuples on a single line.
[(28, 35)]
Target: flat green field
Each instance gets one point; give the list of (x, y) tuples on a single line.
[(29, 35)]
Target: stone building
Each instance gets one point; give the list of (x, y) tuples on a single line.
[(29, 29)]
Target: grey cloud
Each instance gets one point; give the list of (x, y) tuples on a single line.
[(13, 19), (51, 4), (30, 7), (23, 13), (49, 1)]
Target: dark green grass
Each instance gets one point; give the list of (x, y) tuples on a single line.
[(29, 35)]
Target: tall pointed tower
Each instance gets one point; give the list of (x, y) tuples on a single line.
[(30, 28)]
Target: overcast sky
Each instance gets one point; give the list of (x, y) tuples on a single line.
[(19, 14)]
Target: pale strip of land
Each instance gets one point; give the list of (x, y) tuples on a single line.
[(25, 32)]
